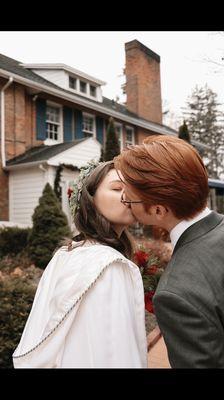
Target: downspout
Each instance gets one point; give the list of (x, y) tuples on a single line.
[(34, 98), (3, 121)]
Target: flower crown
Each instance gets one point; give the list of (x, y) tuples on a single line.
[(75, 189)]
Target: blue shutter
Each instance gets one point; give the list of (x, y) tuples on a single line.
[(67, 124), (78, 124), (41, 125), (99, 129)]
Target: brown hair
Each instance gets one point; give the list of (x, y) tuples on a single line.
[(93, 225), (166, 170)]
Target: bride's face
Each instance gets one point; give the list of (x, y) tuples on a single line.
[(108, 201)]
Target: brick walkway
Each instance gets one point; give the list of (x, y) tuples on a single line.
[(157, 354)]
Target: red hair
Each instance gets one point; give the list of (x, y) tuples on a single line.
[(168, 171)]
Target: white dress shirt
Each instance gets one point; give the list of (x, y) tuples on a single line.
[(179, 229)]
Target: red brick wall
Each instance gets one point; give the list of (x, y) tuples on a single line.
[(20, 121), (20, 133), (143, 86), (141, 134)]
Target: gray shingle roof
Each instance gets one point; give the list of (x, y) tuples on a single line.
[(11, 65), (42, 153)]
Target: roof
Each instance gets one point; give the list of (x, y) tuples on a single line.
[(216, 183), (42, 152), (55, 66), (16, 67), (11, 65)]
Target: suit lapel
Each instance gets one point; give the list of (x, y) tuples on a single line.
[(198, 229)]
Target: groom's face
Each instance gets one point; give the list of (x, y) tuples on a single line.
[(138, 209)]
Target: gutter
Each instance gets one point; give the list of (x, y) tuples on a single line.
[(25, 165), (3, 120)]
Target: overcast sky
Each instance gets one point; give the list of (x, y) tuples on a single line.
[(102, 55)]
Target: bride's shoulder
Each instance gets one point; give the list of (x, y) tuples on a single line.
[(93, 249)]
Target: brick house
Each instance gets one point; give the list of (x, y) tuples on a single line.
[(53, 114)]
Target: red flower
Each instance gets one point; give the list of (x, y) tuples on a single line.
[(152, 269), (69, 192), (141, 257), (148, 301)]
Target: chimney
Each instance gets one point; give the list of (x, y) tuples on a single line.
[(142, 87)]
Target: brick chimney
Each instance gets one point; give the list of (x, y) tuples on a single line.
[(142, 86)]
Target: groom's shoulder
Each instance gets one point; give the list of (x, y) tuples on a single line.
[(196, 266)]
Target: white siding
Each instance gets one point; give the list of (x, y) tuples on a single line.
[(59, 77), (25, 188), (26, 184), (78, 155)]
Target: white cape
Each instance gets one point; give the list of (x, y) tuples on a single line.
[(88, 312)]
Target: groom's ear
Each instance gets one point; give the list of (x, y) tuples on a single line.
[(158, 211)]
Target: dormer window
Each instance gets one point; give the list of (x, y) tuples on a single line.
[(72, 82), (83, 87), (68, 78), (92, 91)]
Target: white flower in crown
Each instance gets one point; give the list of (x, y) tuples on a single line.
[(75, 189)]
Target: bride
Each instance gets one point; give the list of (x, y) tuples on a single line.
[(88, 310)]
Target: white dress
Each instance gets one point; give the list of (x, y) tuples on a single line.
[(88, 312)]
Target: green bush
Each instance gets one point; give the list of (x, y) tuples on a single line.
[(112, 147), (16, 298), (9, 262), (50, 226), (13, 240)]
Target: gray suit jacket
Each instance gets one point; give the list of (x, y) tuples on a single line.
[(189, 300)]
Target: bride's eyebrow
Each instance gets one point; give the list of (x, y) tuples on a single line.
[(121, 180), (116, 181)]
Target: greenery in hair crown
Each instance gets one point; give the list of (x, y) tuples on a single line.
[(75, 189)]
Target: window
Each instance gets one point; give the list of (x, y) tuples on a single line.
[(53, 122), (72, 82), (88, 125), (92, 90), (83, 87), (118, 129), (129, 136)]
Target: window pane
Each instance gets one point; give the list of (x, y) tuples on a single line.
[(52, 131), (92, 91), (53, 114), (72, 82), (88, 124), (129, 136), (82, 87)]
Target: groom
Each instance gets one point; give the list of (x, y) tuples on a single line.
[(166, 185)]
